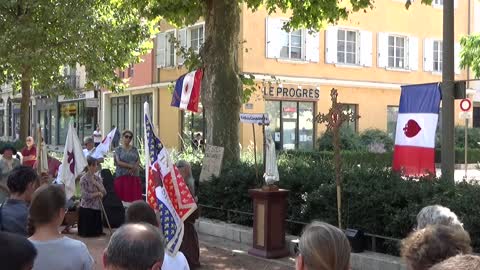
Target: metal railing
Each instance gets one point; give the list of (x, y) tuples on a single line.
[(374, 238)]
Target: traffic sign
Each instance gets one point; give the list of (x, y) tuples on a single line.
[(465, 115), (465, 105)]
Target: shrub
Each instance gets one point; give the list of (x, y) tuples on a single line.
[(349, 140), (375, 136), (374, 198), (472, 140)]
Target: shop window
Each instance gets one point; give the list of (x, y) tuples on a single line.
[(84, 119), (194, 128), (476, 117), (44, 120), (119, 112), (2, 123), (291, 124), (138, 101), (392, 114), (351, 108)]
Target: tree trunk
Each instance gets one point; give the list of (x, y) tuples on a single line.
[(26, 85), (221, 86)]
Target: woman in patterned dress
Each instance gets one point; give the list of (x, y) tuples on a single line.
[(127, 183), (89, 213)]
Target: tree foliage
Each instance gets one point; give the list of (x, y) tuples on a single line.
[(45, 35), (38, 37), (470, 54)]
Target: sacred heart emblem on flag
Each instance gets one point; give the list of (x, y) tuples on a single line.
[(411, 129)]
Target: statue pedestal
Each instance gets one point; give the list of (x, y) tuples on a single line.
[(270, 207)]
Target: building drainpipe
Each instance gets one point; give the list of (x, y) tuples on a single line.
[(468, 33)]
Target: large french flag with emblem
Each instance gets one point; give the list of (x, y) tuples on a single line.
[(414, 153), (187, 91)]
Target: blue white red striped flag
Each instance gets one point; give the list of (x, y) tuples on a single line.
[(187, 91), (414, 152)]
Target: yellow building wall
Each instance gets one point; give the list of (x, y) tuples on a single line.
[(169, 118), (389, 16)]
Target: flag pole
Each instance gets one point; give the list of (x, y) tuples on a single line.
[(146, 110), (105, 215)]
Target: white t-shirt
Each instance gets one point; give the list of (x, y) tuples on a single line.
[(62, 254), (97, 136), (87, 152), (179, 262)]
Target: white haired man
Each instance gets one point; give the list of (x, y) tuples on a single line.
[(137, 246)]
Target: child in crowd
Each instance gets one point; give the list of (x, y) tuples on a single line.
[(47, 211)]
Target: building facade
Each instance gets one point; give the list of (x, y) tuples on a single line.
[(366, 58)]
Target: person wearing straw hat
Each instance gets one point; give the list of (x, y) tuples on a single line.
[(7, 162), (92, 192)]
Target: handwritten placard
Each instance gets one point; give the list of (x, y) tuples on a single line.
[(212, 162)]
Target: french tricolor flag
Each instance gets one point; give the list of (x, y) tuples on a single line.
[(187, 91), (414, 153)]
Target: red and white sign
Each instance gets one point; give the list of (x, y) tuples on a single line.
[(465, 105)]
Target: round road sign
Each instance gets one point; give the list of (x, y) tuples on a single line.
[(465, 105)]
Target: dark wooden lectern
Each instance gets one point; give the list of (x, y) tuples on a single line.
[(269, 222)]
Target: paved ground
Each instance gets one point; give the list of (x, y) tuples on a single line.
[(215, 254)]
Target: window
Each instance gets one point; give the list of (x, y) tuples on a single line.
[(347, 47), (438, 2), (120, 112), (130, 70), (292, 44), (196, 38), (392, 114), (437, 56), (397, 52), (291, 124), (170, 45), (2, 122), (138, 101), (193, 126), (476, 117), (351, 108)]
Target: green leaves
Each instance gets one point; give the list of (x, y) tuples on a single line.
[(470, 54), (45, 35)]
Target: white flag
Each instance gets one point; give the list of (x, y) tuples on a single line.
[(73, 162), (104, 147)]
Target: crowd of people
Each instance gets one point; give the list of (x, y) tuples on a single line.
[(31, 218), (33, 215)]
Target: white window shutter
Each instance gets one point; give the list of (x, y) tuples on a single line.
[(161, 37), (366, 48), (312, 47), (413, 53), (428, 55), (331, 41), (182, 38), (382, 50), (274, 32), (457, 58)]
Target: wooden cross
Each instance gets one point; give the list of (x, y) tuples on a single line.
[(334, 119)]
